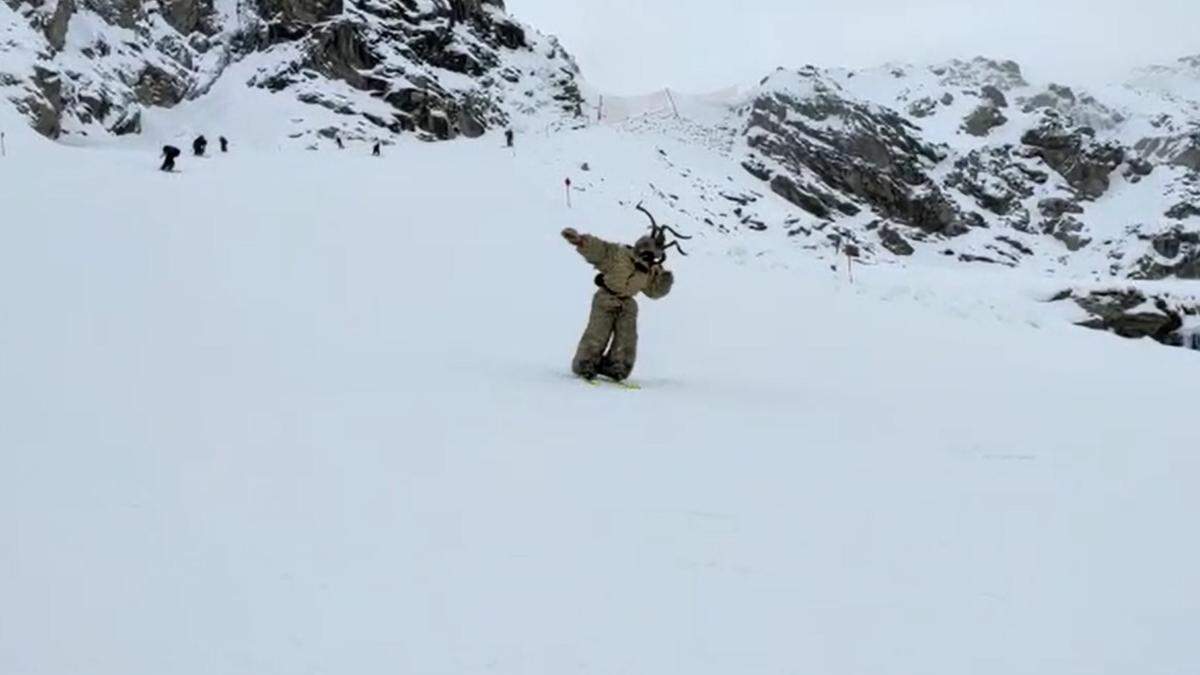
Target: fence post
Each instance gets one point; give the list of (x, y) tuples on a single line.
[(671, 99)]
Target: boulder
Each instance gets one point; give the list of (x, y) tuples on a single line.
[(56, 27), (188, 16), (894, 241), (1055, 207), (1069, 231), (1176, 253), (1074, 155), (1129, 313), (982, 120), (993, 94), (1183, 211)]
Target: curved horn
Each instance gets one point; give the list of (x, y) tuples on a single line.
[(675, 245), (670, 229), (654, 228)]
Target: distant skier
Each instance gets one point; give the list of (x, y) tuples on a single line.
[(224, 144), (609, 343), (508, 137), (169, 154), (199, 145), (338, 140), (375, 150)]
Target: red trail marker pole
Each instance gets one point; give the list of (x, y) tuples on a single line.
[(567, 182)]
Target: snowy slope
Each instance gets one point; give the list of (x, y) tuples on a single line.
[(964, 162), (292, 412)]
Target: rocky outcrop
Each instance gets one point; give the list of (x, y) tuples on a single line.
[(855, 150), (983, 119), (895, 242), (839, 156), (1174, 253), (445, 68), (1074, 154), (1068, 230), (189, 16), (998, 181), (1132, 313), (980, 72)]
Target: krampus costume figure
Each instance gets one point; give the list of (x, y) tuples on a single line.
[(609, 344)]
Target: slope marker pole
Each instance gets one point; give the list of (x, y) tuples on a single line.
[(671, 99)]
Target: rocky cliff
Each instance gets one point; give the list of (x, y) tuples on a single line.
[(435, 68), (969, 160)]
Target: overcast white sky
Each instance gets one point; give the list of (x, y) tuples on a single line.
[(633, 46)]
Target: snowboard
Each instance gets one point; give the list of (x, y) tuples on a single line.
[(600, 382)]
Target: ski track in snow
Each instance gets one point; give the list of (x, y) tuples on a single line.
[(297, 412)]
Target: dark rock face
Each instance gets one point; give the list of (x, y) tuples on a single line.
[(1183, 211), (1068, 230), (158, 87), (298, 13), (863, 172), (1055, 207), (188, 16), (1176, 254), (894, 241), (997, 181), (1002, 75), (397, 51), (993, 94), (46, 109), (1131, 313), (842, 156), (360, 48), (922, 107), (983, 119), (123, 13), (56, 28), (1138, 168), (1074, 155)]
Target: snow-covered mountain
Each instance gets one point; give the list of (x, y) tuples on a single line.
[(969, 162), (437, 68), (965, 162)]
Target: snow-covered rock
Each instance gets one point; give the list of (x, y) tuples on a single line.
[(441, 69)]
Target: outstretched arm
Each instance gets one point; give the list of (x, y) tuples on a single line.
[(661, 281), (593, 249)]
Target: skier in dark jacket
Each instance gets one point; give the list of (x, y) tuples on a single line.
[(199, 145), (169, 154), (224, 144)]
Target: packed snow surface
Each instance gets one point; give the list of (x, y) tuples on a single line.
[(311, 412)]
